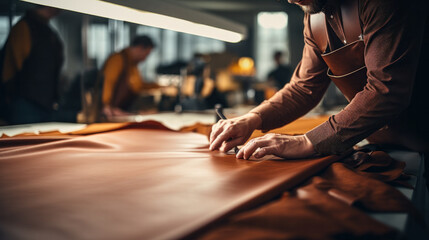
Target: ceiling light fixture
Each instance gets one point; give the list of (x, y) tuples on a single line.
[(155, 13)]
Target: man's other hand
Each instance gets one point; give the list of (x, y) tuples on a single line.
[(284, 146)]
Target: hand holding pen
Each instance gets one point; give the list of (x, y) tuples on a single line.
[(220, 114), (227, 134)]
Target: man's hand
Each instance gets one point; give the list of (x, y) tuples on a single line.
[(284, 146), (227, 134)]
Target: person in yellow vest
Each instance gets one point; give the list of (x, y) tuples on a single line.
[(122, 81)]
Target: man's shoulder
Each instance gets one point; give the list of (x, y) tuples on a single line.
[(114, 61), (379, 2), (115, 57), (284, 67), (383, 6), (382, 10), (20, 27), (272, 72), (19, 33)]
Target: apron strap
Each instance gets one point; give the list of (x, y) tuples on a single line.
[(351, 25), (318, 30)]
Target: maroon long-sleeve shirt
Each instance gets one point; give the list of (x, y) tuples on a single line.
[(393, 33)]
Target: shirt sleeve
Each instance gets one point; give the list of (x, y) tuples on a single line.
[(111, 72), (306, 88), (17, 49), (392, 35)]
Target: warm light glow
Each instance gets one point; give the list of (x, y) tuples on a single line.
[(276, 20), (122, 13), (246, 63), (243, 67)]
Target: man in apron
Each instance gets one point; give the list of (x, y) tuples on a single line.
[(374, 52)]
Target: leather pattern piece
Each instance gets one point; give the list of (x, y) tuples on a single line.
[(133, 184)]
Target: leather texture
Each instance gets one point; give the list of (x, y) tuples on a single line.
[(132, 184), (144, 181)]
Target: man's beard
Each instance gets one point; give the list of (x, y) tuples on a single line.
[(315, 7)]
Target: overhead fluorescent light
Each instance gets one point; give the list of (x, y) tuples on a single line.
[(155, 13)]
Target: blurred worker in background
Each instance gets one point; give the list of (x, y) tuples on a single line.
[(197, 67), (122, 79), (31, 62), (198, 87), (281, 74)]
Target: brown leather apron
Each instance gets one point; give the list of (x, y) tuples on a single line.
[(346, 65), (346, 68)]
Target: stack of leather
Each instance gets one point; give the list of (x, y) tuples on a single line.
[(332, 205)]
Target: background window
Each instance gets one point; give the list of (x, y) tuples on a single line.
[(98, 43), (271, 36), (4, 28)]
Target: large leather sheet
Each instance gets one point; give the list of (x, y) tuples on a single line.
[(132, 184)]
